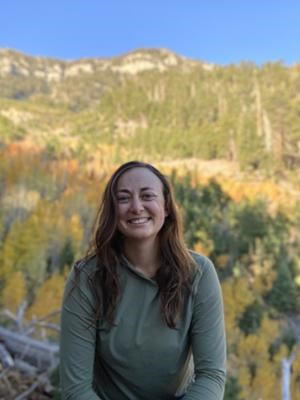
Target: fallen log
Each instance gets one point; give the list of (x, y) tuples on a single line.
[(39, 354), (25, 368), (5, 358)]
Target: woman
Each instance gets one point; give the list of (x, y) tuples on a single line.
[(142, 316)]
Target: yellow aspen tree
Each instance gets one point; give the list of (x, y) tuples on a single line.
[(76, 230), (295, 384), (24, 250), (222, 260), (201, 248), (237, 296), (263, 276), (48, 297), (14, 292), (256, 377), (258, 374), (11, 250)]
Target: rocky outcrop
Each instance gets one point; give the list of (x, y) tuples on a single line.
[(14, 63)]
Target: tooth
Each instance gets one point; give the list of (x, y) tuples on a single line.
[(138, 220)]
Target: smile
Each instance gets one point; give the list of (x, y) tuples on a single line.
[(138, 221)]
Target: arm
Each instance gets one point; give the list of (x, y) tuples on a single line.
[(77, 341), (208, 338)]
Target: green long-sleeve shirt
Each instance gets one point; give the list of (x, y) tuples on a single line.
[(140, 357)]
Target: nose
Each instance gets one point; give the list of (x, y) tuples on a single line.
[(136, 204)]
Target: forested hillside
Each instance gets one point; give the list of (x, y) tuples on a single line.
[(154, 103), (229, 139)]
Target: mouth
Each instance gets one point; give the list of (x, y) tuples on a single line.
[(138, 221)]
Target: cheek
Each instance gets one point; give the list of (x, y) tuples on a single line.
[(161, 211), (120, 211)]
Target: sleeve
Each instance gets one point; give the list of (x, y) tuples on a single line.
[(77, 341), (208, 338)]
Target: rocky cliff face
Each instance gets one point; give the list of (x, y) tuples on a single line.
[(15, 64), (82, 82)]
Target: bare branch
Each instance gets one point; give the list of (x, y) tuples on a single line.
[(40, 354), (286, 366), (5, 357)]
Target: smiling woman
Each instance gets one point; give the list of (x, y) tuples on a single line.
[(141, 214), (142, 315)]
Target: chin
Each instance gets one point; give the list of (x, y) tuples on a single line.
[(138, 236)]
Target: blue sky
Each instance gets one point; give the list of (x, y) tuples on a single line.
[(217, 31)]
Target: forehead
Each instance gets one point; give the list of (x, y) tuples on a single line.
[(137, 178)]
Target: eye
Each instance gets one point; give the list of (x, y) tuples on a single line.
[(148, 196), (123, 199)]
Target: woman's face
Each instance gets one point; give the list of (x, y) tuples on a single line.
[(140, 204)]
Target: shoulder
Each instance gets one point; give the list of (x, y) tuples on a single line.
[(79, 294), (204, 270), (82, 274), (202, 263), (86, 266)]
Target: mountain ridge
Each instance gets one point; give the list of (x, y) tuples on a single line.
[(53, 69)]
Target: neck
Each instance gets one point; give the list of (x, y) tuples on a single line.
[(143, 256)]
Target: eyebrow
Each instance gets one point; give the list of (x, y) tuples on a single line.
[(128, 191)]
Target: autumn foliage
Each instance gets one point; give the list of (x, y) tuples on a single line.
[(249, 230)]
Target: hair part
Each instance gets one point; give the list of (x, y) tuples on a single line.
[(174, 273)]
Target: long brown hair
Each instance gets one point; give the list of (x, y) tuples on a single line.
[(173, 276)]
